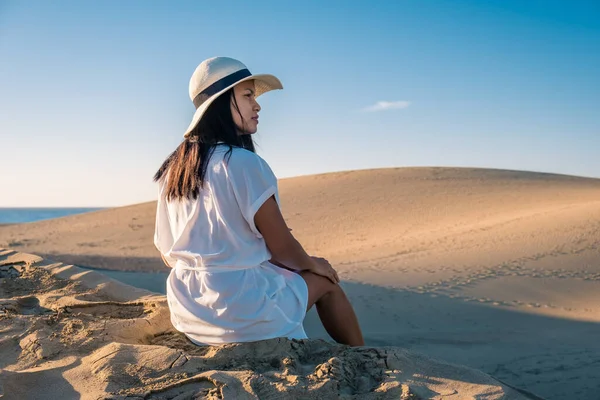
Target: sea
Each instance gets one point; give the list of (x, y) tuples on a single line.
[(153, 281), (22, 215)]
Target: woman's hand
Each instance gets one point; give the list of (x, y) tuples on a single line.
[(322, 267)]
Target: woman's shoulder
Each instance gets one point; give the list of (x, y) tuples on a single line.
[(243, 157), (243, 164)]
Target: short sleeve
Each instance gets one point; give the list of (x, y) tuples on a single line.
[(253, 183)]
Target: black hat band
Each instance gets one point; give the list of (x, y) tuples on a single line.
[(220, 85)]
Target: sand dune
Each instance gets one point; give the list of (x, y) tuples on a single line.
[(69, 333), (497, 270), (352, 216)]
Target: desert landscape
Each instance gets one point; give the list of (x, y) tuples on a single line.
[(467, 282)]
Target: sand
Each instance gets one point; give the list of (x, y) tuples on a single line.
[(68, 333), (496, 270)]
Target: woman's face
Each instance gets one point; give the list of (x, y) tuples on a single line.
[(247, 123)]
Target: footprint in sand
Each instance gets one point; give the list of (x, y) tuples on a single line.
[(28, 305)]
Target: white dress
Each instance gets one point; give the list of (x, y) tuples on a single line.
[(222, 288)]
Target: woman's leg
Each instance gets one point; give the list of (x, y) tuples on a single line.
[(334, 309)]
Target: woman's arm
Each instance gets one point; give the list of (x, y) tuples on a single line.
[(280, 265), (285, 250)]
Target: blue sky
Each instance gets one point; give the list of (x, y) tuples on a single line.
[(94, 95)]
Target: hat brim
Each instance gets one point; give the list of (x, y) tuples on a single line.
[(262, 83)]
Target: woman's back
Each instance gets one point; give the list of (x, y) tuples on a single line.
[(222, 287), (217, 229)]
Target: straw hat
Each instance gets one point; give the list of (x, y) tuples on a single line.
[(215, 76)]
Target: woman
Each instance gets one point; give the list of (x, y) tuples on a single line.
[(238, 274)]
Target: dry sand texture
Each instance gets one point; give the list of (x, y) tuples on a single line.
[(66, 333), (497, 270)]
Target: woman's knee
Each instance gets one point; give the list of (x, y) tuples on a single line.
[(316, 279), (318, 286)]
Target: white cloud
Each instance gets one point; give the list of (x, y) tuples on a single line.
[(386, 105)]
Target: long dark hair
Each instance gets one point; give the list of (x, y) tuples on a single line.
[(185, 168)]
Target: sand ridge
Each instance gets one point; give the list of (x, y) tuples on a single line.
[(349, 216), (71, 333)]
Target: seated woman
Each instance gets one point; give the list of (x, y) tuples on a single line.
[(238, 274)]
